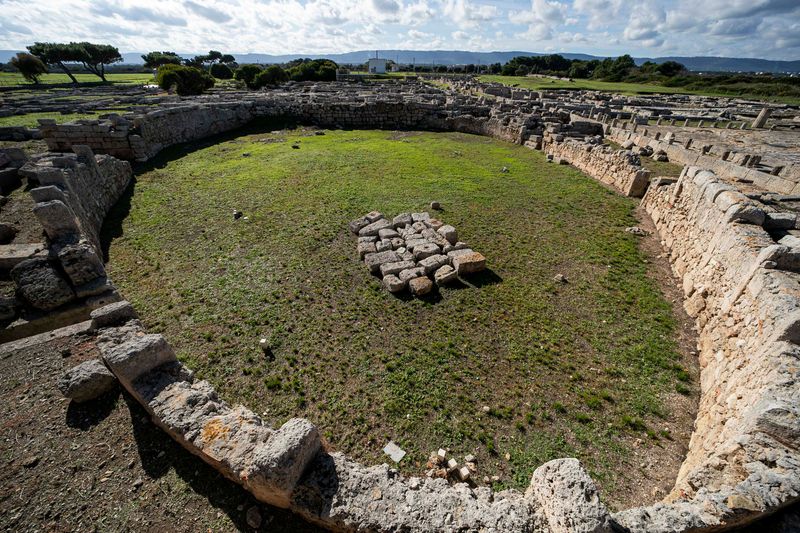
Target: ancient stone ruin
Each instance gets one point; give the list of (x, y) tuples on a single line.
[(411, 248), (728, 223)]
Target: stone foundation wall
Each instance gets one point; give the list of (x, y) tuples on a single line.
[(140, 137), (742, 288), (785, 183), (618, 168)]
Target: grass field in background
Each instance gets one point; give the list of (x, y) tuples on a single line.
[(13, 78), (537, 83)]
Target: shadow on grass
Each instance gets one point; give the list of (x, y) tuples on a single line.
[(159, 454)]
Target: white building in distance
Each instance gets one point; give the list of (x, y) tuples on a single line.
[(376, 66)]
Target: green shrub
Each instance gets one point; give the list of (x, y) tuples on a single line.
[(273, 75), (221, 71), (184, 80), (248, 74), (312, 70)]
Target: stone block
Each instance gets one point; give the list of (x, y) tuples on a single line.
[(396, 268), (568, 498), (41, 285), (114, 314), (411, 273), (387, 233), (468, 262), (433, 262), (57, 219), (374, 227), (137, 355), (449, 233), (278, 464), (420, 286), (393, 284), (81, 263), (86, 381), (424, 250), (445, 274), (374, 261), (365, 248)]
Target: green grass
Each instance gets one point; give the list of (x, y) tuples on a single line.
[(14, 78), (537, 83), (31, 119), (366, 366)]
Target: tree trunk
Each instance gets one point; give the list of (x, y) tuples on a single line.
[(67, 72)]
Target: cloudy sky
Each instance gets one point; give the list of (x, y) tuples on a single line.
[(742, 28)]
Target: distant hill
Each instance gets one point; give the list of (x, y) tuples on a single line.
[(461, 57)]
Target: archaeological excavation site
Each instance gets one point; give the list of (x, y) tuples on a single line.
[(411, 304)]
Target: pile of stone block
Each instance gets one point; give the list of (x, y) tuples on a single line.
[(413, 250)]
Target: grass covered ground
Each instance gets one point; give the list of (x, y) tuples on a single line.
[(15, 78), (514, 368), (32, 119), (537, 83)]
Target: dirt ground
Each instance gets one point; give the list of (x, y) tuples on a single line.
[(103, 466)]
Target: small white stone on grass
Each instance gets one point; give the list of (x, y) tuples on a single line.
[(394, 452)]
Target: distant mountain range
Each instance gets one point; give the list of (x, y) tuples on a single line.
[(460, 57)]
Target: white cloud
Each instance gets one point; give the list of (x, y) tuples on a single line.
[(765, 28)]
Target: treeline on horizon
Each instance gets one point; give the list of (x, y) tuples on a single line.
[(193, 75)]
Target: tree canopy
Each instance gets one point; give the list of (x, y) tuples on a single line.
[(156, 59), (93, 57)]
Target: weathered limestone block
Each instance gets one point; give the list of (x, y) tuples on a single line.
[(137, 356), (449, 233), (568, 498), (420, 286), (57, 219), (374, 261), (365, 248), (393, 284), (41, 285), (396, 268), (86, 381), (433, 262), (81, 263), (426, 249), (374, 228), (114, 314), (466, 261), (278, 464), (445, 274)]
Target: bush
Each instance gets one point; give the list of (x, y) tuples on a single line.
[(273, 75), (30, 66), (312, 70), (221, 71), (184, 80), (247, 74)]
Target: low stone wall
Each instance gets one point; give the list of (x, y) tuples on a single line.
[(404, 106), (734, 171), (744, 454), (618, 168)]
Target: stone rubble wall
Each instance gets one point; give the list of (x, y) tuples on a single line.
[(73, 195), (408, 106), (785, 182), (618, 168)]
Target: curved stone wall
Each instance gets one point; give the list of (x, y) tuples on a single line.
[(740, 285)]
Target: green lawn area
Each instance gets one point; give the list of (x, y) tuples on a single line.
[(514, 367), (13, 78), (536, 83), (31, 119)]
